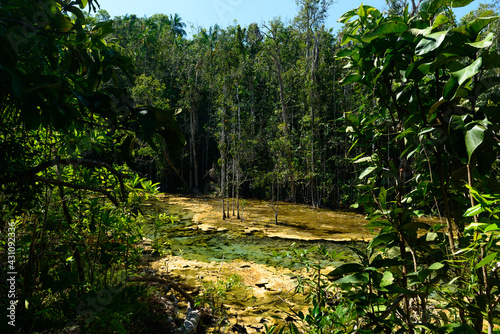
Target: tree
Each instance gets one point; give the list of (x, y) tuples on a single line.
[(428, 143), (177, 25), (66, 136)]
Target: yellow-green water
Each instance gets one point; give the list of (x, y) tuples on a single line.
[(200, 247)]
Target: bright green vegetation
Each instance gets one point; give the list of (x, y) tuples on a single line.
[(396, 115)]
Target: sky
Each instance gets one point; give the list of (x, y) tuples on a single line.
[(205, 13)]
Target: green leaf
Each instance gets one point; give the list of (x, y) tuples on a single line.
[(492, 227), (473, 138), (460, 3), (472, 29), (475, 210), (456, 329), (387, 279), (459, 77), (355, 279), (488, 259), (430, 42), (344, 269), (344, 53), (103, 28), (382, 238), (484, 43), (391, 27), (369, 10), (440, 20), (436, 266), (351, 78), (367, 172)]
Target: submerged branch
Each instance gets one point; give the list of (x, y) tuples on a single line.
[(174, 286)]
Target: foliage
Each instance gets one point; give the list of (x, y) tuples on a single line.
[(66, 131), (328, 313), (431, 132), (214, 296)]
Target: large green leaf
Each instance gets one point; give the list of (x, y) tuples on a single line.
[(351, 78), (473, 139), (460, 3), (358, 278), (386, 28), (483, 43), (430, 42), (387, 279), (459, 77), (472, 29), (440, 20)]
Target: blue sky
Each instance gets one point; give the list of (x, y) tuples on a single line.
[(205, 13)]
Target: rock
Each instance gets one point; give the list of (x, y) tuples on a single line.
[(239, 329)]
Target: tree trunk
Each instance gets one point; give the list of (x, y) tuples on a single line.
[(238, 158), (223, 166), (194, 164)]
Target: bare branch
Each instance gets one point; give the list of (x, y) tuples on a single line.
[(174, 286), (77, 186), (31, 174)]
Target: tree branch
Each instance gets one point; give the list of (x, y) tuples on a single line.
[(174, 286), (31, 174), (77, 186)]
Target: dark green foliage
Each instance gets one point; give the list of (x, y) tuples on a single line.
[(430, 138), (67, 199)]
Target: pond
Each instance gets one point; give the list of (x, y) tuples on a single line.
[(198, 246)]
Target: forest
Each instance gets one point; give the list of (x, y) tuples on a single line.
[(395, 116)]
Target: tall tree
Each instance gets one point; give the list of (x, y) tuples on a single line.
[(177, 25)]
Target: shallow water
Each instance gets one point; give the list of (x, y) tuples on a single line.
[(201, 234), (199, 247)]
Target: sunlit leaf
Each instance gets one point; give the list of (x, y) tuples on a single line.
[(387, 279), (483, 43), (488, 259), (459, 77), (430, 42), (436, 266), (473, 211), (367, 172), (473, 138), (386, 28)]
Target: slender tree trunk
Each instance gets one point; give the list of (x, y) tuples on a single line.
[(232, 186), (223, 166), (194, 124), (191, 151), (227, 188), (238, 158), (277, 200)]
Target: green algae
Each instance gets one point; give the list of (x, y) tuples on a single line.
[(231, 239), (213, 249)]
